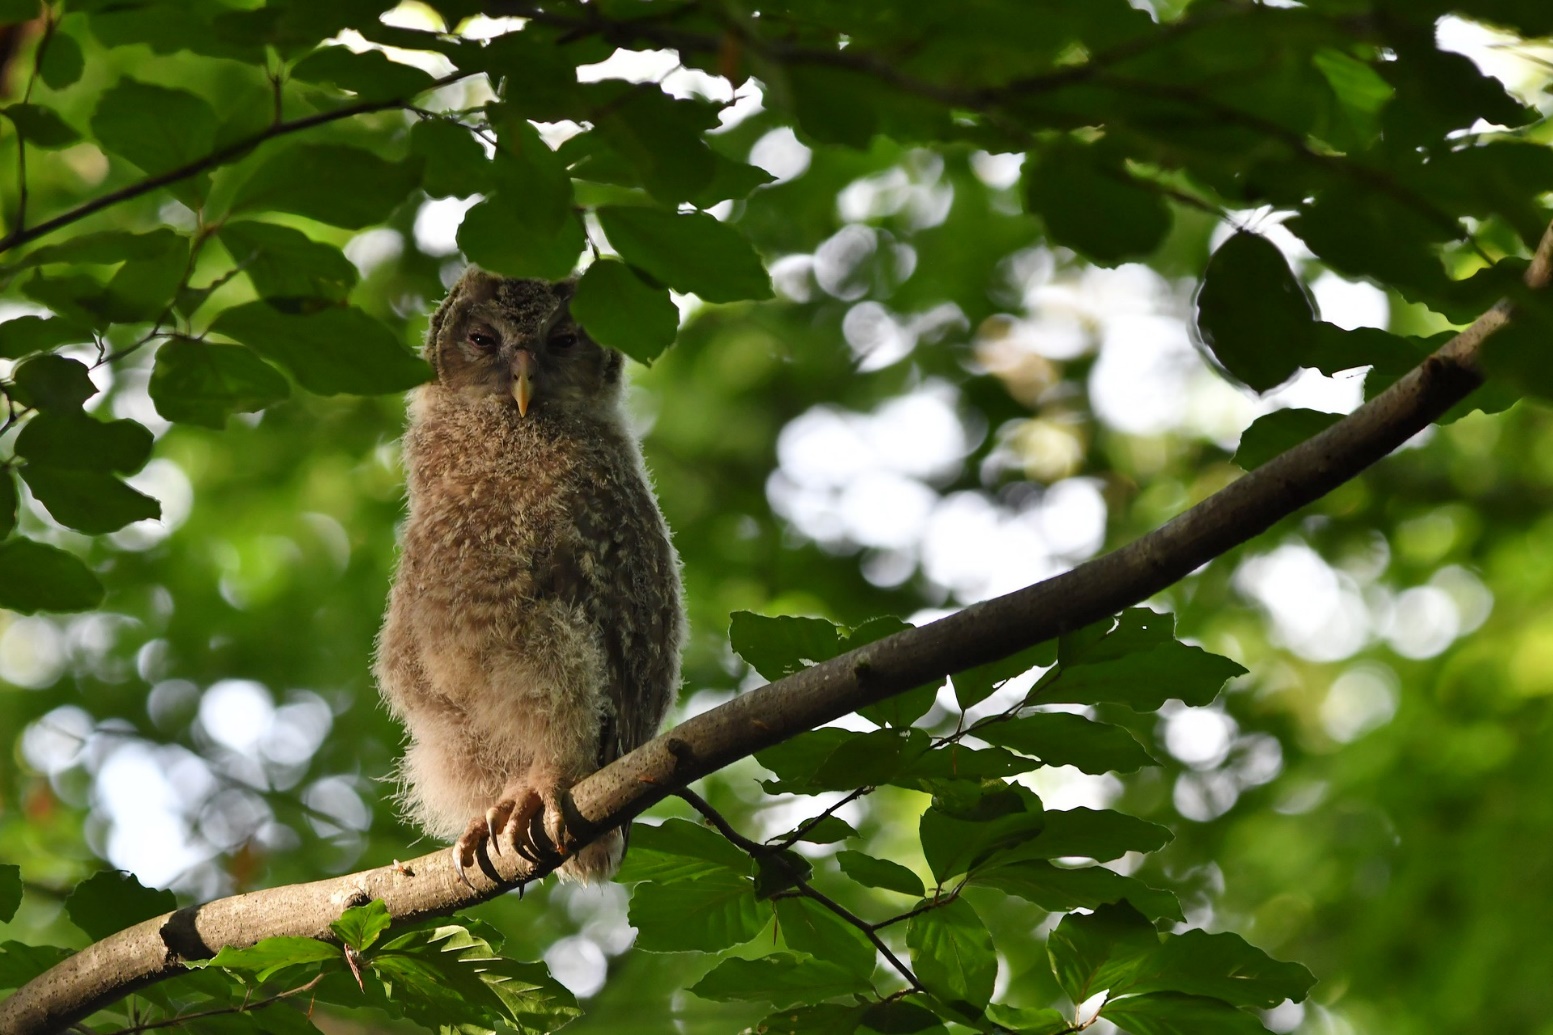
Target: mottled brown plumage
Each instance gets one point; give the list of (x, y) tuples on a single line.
[(534, 628)]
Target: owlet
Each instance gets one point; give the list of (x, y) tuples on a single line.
[(534, 627)]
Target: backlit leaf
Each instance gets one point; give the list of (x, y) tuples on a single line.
[(93, 502), (880, 873), (688, 251), (704, 912), (779, 979), (952, 955), (204, 383), (621, 311), (112, 900), (1171, 1013), (37, 577), (334, 350), (343, 186), (1060, 738)]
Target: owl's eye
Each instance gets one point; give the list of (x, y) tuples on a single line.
[(481, 340), (563, 339)]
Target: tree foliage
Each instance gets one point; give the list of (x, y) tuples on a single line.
[(909, 287)]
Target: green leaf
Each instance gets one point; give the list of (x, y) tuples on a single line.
[(1098, 834), (1223, 966), (776, 872), (826, 831), (621, 311), (369, 74), (271, 956), (833, 105), (1092, 204), (1170, 1013), (830, 759), (53, 383), (449, 978), (204, 383), (777, 647), (334, 184), (824, 1019), (678, 848), (1138, 663), (1025, 1021), (38, 577), (688, 251), (1253, 314), (1099, 951), (975, 685), (10, 891), (952, 955), (21, 963), (9, 501), (1278, 432), (158, 128), (899, 1017), (282, 262), (28, 334), (704, 912), (40, 126), (903, 709), (730, 180), (15, 11), (455, 163), (111, 900), (660, 138), (88, 501), (332, 351), (527, 228), (360, 926), (62, 62), (880, 873), (1059, 889), (779, 979), (69, 438), (956, 835), (1058, 738), (104, 248), (810, 928)]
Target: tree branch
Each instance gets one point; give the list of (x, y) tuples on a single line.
[(154, 950)]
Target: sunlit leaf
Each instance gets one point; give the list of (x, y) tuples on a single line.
[(678, 848), (361, 926), (272, 955)]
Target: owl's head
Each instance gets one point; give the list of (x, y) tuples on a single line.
[(515, 340)]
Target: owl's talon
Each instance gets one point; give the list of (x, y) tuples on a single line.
[(458, 865)]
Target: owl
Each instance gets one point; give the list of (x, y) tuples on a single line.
[(534, 627)]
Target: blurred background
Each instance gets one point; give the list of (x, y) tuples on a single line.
[(937, 408)]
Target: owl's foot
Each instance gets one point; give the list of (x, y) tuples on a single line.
[(514, 819)]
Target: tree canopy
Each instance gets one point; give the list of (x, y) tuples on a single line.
[(927, 303)]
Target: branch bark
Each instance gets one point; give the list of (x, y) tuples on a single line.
[(154, 950)]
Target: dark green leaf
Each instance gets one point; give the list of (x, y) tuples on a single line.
[(809, 927), (1170, 1013), (112, 900), (779, 979), (902, 709), (282, 262), (203, 383), (40, 126), (38, 577), (777, 647), (975, 685), (704, 912), (105, 248), (1278, 432), (833, 105), (271, 956), (730, 180), (93, 502), (1092, 204), (880, 873), (21, 963), (827, 830), (1102, 950), (1058, 738), (1025, 1021), (342, 186), (9, 501), (899, 1017), (660, 138), (69, 438), (834, 759), (1059, 889), (1139, 663), (1221, 965), (360, 926), (10, 891), (369, 74), (28, 334), (53, 383), (332, 351), (678, 848), (15, 11), (1254, 314), (952, 955), (62, 62), (621, 311), (158, 128), (455, 163), (688, 251), (776, 872), (1098, 834), (825, 1019), (956, 835), (527, 228)]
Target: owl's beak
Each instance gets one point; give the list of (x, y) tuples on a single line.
[(523, 379)]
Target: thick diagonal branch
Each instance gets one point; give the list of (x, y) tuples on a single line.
[(154, 950)]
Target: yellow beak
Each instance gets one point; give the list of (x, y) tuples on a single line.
[(523, 380)]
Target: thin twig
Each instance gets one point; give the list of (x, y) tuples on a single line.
[(173, 1022)]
